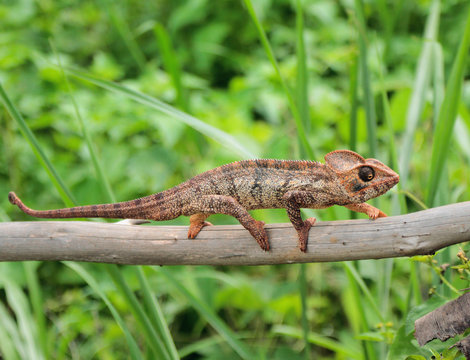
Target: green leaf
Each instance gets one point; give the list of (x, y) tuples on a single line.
[(113, 10), (218, 135), (352, 270), (211, 317), (405, 345), (155, 314), (171, 63), (64, 192), (416, 312), (103, 179), (153, 340), (269, 52), (85, 275)]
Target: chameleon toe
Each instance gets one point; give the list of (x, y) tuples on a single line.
[(259, 233), (303, 233), (194, 229)]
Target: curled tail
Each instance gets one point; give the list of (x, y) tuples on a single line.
[(134, 209)]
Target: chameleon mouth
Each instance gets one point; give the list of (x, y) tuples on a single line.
[(386, 185)]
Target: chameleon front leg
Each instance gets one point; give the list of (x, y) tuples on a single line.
[(294, 201), (196, 223), (372, 212), (221, 204)]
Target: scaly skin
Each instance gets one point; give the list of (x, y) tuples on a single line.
[(235, 188)]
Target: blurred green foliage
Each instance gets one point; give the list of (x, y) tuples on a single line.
[(206, 59)]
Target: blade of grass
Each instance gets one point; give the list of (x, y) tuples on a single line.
[(302, 104), (216, 322), (444, 256), (172, 66), (351, 269), (368, 350), (293, 107), (462, 137), (27, 329), (447, 115), (155, 314), (35, 296), (420, 86), (415, 199), (103, 179), (10, 346), (303, 286), (353, 104), (153, 340), (415, 287), (399, 201), (387, 20), (386, 273), (302, 75), (90, 280), (371, 124), (216, 134), (62, 189), (124, 31), (320, 340), (438, 80), (369, 104), (200, 345)]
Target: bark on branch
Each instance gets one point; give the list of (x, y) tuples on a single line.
[(418, 233)]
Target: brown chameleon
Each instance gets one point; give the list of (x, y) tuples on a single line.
[(345, 179)]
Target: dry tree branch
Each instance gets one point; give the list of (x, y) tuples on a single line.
[(418, 233)]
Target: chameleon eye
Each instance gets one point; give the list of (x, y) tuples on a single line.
[(366, 173)]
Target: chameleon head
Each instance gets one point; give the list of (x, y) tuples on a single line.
[(361, 179)]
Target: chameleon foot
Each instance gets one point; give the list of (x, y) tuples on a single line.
[(194, 228), (303, 233), (371, 211), (259, 233), (376, 213), (196, 223)]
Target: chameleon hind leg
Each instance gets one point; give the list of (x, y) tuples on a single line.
[(220, 204), (196, 223)]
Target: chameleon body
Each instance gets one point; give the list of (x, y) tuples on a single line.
[(345, 179)]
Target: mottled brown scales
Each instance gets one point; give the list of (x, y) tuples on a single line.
[(345, 179)]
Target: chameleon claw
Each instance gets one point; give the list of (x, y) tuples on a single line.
[(303, 233), (259, 233), (382, 214), (376, 213), (195, 228)]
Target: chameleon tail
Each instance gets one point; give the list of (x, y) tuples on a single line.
[(124, 210)]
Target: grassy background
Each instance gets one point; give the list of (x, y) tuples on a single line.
[(112, 100)]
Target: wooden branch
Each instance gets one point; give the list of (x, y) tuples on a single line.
[(423, 232)]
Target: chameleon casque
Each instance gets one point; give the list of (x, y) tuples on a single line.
[(345, 179)]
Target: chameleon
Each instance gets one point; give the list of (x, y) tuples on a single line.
[(345, 179)]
